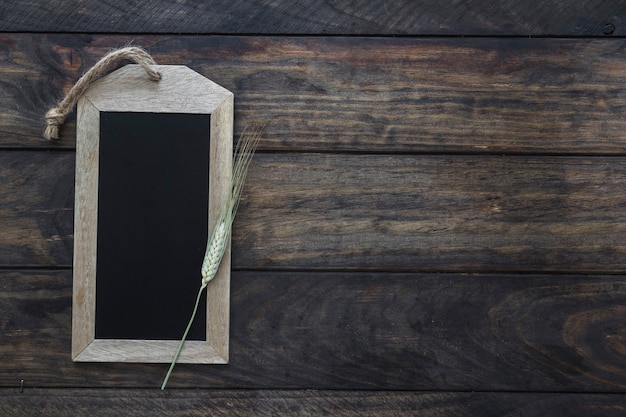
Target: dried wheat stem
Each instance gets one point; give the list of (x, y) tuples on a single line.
[(180, 346), (218, 241)]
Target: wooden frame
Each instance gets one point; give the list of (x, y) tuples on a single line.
[(128, 89)]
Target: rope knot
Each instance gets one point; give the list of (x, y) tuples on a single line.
[(152, 74), (54, 120), (56, 117)]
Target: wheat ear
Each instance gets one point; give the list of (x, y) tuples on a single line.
[(219, 238)]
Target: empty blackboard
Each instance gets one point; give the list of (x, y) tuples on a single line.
[(152, 224)]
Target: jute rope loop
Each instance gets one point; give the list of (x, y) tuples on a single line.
[(56, 117)]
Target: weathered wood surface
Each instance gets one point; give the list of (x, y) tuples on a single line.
[(362, 17), (36, 208), (356, 331), (370, 212), (434, 213), (370, 95), (382, 155), (308, 403)]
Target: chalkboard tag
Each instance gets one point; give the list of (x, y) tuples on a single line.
[(153, 167)]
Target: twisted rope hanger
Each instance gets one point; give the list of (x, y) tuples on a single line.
[(55, 117)]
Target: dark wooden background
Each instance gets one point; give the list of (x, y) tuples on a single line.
[(435, 223)]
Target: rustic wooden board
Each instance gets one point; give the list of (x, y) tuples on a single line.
[(434, 213), (372, 95), (371, 212), (106, 402), (344, 330), (36, 208), (362, 17), (381, 154)]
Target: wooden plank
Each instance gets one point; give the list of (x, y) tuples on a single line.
[(406, 17), (371, 212), (356, 331), (433, 213), (292, 403), (36, 208), (380, 95)]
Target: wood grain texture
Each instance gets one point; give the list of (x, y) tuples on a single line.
[(371, 212), (433, 213), (128, 89), (406, 17), (86, 194), (189, 403), (370, 95), (356, 331), (381, 153), (36, 208)]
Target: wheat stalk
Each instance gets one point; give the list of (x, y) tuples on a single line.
[(217, 243), (219, 238)]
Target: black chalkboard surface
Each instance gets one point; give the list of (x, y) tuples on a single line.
[(153, 197)]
